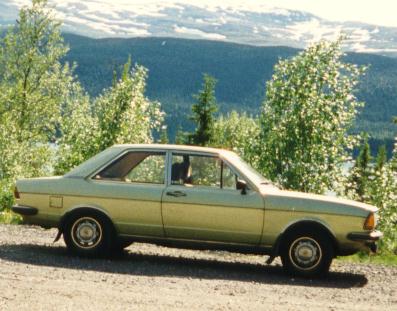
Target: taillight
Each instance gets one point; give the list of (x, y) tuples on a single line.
[(369, 223), (16, 193)]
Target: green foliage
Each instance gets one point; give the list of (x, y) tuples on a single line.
[(33, 83), (383, 194), (305, 119), (381, 158), (31, 72), (380, 258), (176, 73), (8, 217), (239, 133), (181, 137), (78, 131), (203, 113), (122, 114), (164, 135), (375, 183), (359, 176)]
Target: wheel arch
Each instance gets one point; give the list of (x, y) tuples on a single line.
[(300, 225), (79, 209)]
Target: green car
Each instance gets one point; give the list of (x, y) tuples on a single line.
[(193, 197)]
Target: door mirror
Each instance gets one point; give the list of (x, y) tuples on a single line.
[(241, 185)]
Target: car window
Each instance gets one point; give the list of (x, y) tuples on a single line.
[(196, 170), (229, 178), (138, 167), (200, 170)]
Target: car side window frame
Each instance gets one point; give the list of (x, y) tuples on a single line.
[(92, 176), (204, 154), (250, 185)]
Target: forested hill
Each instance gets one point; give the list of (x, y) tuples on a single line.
[(176, 67)]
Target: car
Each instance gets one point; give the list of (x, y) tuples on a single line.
[(193, 197)]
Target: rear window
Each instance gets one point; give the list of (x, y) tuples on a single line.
[(136, 167)]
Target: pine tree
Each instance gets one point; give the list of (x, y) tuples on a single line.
[(381, 158), (181, 137), (363, 171), (203, 113), (164, 135)]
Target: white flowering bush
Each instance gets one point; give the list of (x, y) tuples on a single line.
[(239, 133), (33, 85), (305, 118), (122, 114)]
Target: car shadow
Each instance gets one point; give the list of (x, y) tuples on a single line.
[(165, 265)]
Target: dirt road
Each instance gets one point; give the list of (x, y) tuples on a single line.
[(38, 275)]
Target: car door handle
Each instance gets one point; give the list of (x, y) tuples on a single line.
[(176, 193)]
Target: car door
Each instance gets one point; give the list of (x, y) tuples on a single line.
[(130, 190), (201, 202)]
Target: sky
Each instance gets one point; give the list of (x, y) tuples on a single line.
[(378, 12)]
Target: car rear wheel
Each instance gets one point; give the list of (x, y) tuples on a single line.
[(88, 235), (307, 254)]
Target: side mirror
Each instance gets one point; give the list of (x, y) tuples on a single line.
[(241, 185)]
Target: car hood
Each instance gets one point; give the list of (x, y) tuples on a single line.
[(308, 202)]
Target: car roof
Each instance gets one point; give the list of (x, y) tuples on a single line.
[(172, 147), (89, 166)]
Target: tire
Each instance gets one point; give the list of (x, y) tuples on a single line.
[(307, 253), (88, 234)]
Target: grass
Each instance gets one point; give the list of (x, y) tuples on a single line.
[(8, 217), (388, 259)]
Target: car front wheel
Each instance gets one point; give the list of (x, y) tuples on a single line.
[(307, 254), (88, 235)]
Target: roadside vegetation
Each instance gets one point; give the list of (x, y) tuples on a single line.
[(301, 139)]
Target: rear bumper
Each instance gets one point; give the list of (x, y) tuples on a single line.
[(24, 210), (372, 236)]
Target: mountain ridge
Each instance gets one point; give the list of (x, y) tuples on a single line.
[(267, 26), (176, 67)]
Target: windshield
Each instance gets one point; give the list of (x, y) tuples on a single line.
[(247, 170)]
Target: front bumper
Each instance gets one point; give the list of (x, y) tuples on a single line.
[(372, 236), (368, 238), (24, 210)]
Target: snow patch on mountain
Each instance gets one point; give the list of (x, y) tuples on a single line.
[(197, 32), (258, 24)]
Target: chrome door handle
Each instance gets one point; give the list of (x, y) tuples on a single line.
[(176, 193)]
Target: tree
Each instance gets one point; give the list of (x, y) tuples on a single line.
[(181, 137), (381, 158), (308, 110), (33, 86), (358, 185), (124, 114), (163, 135), (375, 183), (203, 113), (78, 131), (31, 71), (121, 114), (237, 132)]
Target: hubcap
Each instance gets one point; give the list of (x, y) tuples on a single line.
[(86, 232), (305, 253)]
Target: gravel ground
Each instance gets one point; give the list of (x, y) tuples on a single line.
[(38, 275)]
